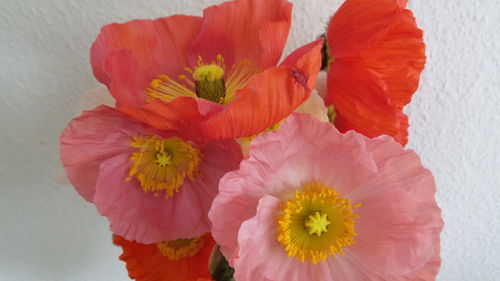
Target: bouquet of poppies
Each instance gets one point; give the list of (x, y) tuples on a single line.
[(221, 161)]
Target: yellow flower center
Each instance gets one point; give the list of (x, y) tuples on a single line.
[(206, 80), (163, 164), (316, 223), (181, 248)]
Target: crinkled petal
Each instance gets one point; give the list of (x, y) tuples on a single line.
[(244, 29), (358, 24), (362, 104)]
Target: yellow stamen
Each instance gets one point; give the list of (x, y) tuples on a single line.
[(163, 164), (206, 80), (167, 89), (316, 223), (181, 248), (238, 77)]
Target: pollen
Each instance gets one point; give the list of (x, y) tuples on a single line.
[(210, 72), (316, 223), (181, 248), (162, 165)]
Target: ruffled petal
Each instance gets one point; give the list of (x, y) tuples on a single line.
[(268, 98), (358, 24), (361, 103), (127, 57), (90, 139), (387, 63), (245, 29), (142, 217), (398, 59)]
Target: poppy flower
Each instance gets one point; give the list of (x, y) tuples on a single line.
[(152, 185), (228, 57), (179, 260), (376, 57), (311, 203)]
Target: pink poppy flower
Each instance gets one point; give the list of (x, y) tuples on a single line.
[(228, 57), (311, 203), (150, 184)]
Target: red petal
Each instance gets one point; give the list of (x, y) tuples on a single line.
[(360, 100), (141, 50), (247, 29), (358, 24)]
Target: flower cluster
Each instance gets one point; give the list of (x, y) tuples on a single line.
[(219, 162)]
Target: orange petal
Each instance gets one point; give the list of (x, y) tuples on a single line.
[(361, 103), (145, 262), (141, 50), (358, 24), (247, 29), (398, 59)]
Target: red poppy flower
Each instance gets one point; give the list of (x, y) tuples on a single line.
[(179, 260), (377, 54), (228, 57)]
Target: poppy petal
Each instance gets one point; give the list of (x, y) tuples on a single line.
[(357, 24), (398, 59), (361, 103), (308, 59), (246, 29), (141, 50)]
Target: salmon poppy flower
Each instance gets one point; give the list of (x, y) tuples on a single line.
[(311, 203), (377, 54), (152, 185), (228, 57), (179, 260)]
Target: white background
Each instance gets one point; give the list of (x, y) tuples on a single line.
[(47, 232)]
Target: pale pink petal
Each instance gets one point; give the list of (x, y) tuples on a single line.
[(315, 106)]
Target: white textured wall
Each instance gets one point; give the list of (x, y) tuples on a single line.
[(48, 233)]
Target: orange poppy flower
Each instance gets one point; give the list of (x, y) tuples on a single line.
[(222, 65), (179, 260), (377, 54)]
